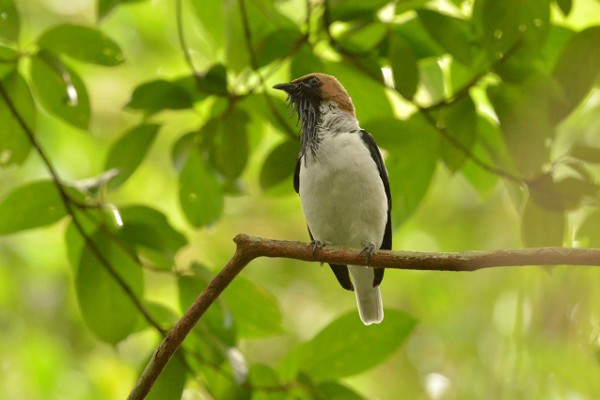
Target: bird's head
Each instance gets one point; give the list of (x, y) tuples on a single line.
[(307, 93)]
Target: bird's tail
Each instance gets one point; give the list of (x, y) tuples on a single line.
[(368, 298)]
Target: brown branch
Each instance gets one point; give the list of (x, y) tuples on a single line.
[(249, 248)]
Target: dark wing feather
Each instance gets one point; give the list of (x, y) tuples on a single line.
[(340, 271), (297, 175), (386, 244)]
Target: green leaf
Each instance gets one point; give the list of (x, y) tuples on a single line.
[(460, 121), (418, 39), (279, 164), (211, 14), (229, 147), (563, 194), (414, 149), (31, 206), (433, 80), (346, 347), (305, 62), (255, 310), (361, 38), (60, 90), (128, 152), (452, 34), (275, 45), (200, 194), (171, 381), (10, 22), (82, 43), (337, 391), (159, 95), (404, 64), (502, 24), (106, 308), (9, 59), (565, 6), (590, 154), (576, 70), (588, 233), (148, 231), (215, 80), (14, 141), (542, 227), (345, 10)]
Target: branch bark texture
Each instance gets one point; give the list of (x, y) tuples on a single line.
[(249, 248)]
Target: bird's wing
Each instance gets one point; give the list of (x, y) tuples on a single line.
[(386, 244), (340, 271), (297, 176)]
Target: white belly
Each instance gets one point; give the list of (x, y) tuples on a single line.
[(342, 194)]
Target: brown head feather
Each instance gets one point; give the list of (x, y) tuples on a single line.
[(332, 90)]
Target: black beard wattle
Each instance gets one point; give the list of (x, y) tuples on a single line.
[(308, 116)]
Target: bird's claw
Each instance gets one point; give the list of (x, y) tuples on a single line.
[(368, 251), (316, 245)]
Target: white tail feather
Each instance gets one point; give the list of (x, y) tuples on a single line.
[(368, 298)]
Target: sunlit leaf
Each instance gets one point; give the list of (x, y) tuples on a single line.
[(158, 95), (432, 78), (82, 43), (542, 227), (128, 152), (200, 194), (414, 148), (576, 70), (106, 307), (346, 347), (279, 164), (149, 231), (14, 141), (451, 33), (275, 45), (10, 22), (255, 310), (404, 65), (588, 234), (60, 89), (305, 62), (362, 38), (31, 206)]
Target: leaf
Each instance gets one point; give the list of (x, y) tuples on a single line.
[(171, 381), (148, 231), (10, 22), (452, 34), (541, 227), (159, 95), (346, 347), (460, 121), (229, 147), (564, 6), (9, 59), (14, 141), (127, 153), (345, 10), (60, 90), (211, 14), (418, 39), (563, 194), (31, 206), (279, 164), (432, 78), (361, 38), (576, 70), (586, 153), (255, 310), (106, 308), (404, 64), (502, 24), (337, 391), (215, 80), (82, 43), (200, 195), (275, 45), (414, 149)]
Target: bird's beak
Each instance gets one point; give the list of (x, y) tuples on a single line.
[(286, 87)]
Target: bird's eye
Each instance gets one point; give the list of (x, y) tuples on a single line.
[(313, 81)]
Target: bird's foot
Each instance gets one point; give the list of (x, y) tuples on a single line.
[(316, 245), (368, 250)]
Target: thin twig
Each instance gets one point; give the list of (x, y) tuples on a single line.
[(249, 248), (181, 36)]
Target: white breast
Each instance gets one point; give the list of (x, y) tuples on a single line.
[(342, 195)]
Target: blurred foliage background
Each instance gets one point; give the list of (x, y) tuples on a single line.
[(138, 137)]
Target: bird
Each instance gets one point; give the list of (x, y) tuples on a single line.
[(343, 184)]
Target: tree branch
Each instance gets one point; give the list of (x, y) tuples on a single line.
[(249, 248)]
